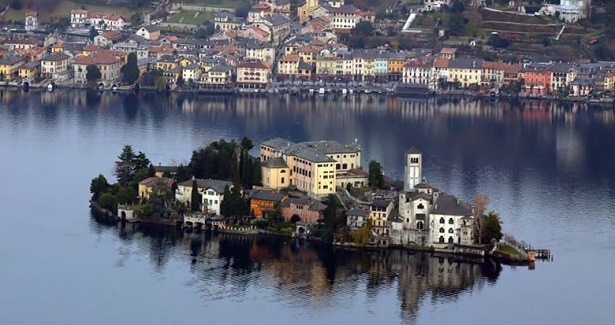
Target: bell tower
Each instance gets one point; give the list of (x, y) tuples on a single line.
[(413, 172)]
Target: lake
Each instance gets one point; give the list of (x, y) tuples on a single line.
[(548, 169)]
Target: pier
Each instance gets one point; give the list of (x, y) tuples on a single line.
[(529, 250)]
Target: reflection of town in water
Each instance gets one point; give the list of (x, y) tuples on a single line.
[(306, 274)]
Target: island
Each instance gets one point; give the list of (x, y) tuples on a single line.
[(314, 190)]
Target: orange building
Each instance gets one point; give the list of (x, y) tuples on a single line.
[(263, 202), (537, 79)]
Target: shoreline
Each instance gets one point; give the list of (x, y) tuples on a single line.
[(467, 254), (334, 91)]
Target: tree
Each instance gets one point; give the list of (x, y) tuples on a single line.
[(481, 201), (124, 166), (363, 28), (247, 144), (375, 179), (206, 30), (161, 84), (492, 228), (361, 236), (107, 201), (16, 4), (130, 70), (140, 161), (93, 33), (195, 197), (98, 186), (242, 9), (92, 73), (126, 195), (180, 81)]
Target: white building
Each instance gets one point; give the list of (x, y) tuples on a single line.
[(413, 172), (211, 190), (429, 5), (570, 11), (78, 17), (451, 221), (356, 218), (31, 21)]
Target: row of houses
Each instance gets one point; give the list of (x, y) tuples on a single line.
[(263, 203)]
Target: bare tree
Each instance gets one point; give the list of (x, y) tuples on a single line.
[(481, 201)]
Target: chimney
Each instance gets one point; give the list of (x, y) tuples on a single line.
[(457, 200)]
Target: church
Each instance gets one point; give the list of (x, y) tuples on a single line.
[(430, 217)]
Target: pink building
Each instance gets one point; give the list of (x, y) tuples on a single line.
[(308, 209)]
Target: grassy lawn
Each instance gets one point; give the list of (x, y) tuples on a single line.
[(508, 250), (190, 17), (213, 3), (63, 10)]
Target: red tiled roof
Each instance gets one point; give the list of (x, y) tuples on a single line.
[(253, 64), (441, 63), (96, 58), (105, 15), (259, 31), (290, 58)]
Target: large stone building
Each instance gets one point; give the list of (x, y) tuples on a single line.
[(310, 166)]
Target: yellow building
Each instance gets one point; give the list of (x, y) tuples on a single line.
[(288, 64), (465, 71), (253, 74), (9, 65), (379, 213), (30, 70), (312, 166), (275, 173), (154, 185), (166, 63), (306, 12), (325, 65), (395, 67)]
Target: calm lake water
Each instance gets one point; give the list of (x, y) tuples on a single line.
[(549, 171)]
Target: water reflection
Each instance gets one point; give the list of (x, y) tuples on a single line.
[(304, 274)]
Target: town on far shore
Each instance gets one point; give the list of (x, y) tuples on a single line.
[(311, 190), (407, 47)]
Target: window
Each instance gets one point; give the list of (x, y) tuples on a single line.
[(441, 240), (441, 230), (451, 221), (282, 180), (420, 206), (442, 220), (451, 240), (450, 231), (419, 225)]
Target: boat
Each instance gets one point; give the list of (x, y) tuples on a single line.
[(344, 91), (321, 91), (50, 87), (114, 89)]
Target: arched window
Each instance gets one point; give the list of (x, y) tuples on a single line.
[(441, 240), (451, 240), (282, 180), (441, 230), (419, 225), (420, 206), (450, 231), (283, 171), (451, 221), (442, 220)]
